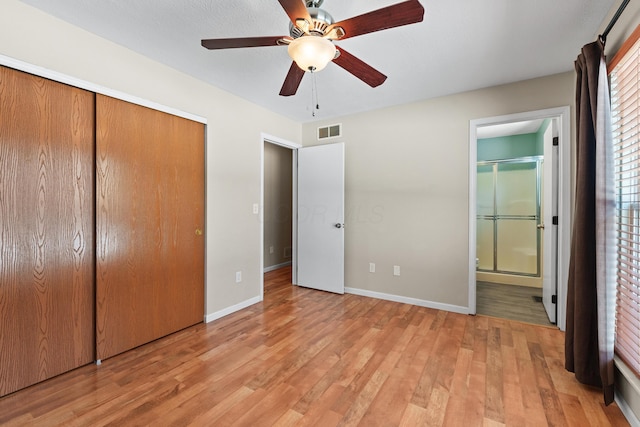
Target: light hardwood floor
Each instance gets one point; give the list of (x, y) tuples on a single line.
[(305, 357)]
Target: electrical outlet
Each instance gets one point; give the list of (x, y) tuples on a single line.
[(270, 249), (238, 276), (256, 208), (372, 267), (396, 270)]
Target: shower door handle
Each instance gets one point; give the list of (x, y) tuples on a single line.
[(540, 226)]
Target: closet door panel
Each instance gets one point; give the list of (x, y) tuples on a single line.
[(46, 229), (149, 222)]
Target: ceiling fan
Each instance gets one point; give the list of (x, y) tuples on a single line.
[(312, 32)]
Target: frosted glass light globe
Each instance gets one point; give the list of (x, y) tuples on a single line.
[(311, 53)]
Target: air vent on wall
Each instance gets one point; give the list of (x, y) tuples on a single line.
[(331, 131)]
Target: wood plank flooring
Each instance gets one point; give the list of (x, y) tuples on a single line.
[(309, 358), (510, 302)]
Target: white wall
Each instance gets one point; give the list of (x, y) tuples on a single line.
[(234, 129), (407, 196)]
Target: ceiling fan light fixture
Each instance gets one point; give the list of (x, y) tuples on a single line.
[(312, 53)]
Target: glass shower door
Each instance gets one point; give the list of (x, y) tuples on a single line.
[(485, 247), (517, 217), (508, 240)]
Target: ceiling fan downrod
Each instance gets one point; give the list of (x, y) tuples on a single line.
[(313, 3)]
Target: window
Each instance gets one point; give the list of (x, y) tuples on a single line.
[(625, 100)]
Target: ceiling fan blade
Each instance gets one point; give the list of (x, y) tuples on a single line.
[(291, 83), (296, 10), (242, 42), (360, 69), (405, 13)]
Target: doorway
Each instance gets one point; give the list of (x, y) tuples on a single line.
[(509, 232), (317, 215), (278, 211), (539, 256), (277, 206)]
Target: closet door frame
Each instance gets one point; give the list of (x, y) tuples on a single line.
[(56, 76)]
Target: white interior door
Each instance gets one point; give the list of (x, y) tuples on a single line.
[(320, 248), (550, 231)]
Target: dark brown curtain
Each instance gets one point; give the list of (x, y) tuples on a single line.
[(589, 328)]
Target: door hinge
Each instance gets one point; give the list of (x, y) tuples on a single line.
[(556, 141), (554, 299), (554, 220)]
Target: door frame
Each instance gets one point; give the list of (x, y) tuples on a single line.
[(294, 206), (563, 116)]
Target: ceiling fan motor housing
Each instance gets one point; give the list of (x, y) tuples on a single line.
[(320, 21)]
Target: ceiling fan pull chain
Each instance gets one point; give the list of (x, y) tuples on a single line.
[(314, 94), (315, 104), (313, 110)]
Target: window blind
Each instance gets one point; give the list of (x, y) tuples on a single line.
[(625, 100)]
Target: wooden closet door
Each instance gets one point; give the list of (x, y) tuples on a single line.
[(46, 229), (149, 222)]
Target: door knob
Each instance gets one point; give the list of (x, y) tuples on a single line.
[(338, 225), (198, 232), (540, 226)]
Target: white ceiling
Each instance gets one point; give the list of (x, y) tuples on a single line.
[(461, 45), (505, 129)]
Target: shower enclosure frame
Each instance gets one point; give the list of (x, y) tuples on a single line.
[(496, 217)]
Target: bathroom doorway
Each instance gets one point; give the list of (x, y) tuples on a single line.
[(517, 189), (509, 226)]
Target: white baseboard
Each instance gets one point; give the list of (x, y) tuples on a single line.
[(277, 266), (355, 291), (407, 300), (626, 411), (229, 310), (627, 393)]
